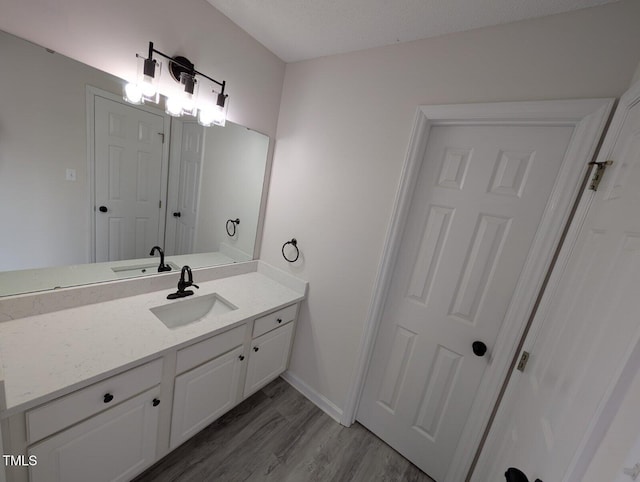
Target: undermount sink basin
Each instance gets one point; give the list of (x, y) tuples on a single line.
[(140, 269), (190, 310)]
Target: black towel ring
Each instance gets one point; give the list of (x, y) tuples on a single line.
[(234, 223), (293, 243)]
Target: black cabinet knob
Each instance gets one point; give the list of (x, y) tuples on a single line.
[(241, 357), (479, 348), (177, 214), (255, 348), (155, 402), (103, 209), (108, 397), (279, 320)]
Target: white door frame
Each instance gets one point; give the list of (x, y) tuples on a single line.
[(588, 117), (91, 94)]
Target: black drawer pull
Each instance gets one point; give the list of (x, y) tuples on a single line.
[(255, 348), (241, 357), (156, 402), (108, 397), (279, 320)]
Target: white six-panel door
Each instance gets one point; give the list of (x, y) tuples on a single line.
[(128, 147), (480, 197), (585, 330)]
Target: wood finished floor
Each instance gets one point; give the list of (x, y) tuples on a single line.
[(279, 435)]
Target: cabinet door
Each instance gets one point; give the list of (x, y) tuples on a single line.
[(203, 394), (268, 358), (112, 446)]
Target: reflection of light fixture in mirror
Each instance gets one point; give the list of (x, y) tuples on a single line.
[(184, 101)]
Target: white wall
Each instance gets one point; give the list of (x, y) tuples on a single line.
[(232, 176), (108, 34), (343, 133), (42, 133)]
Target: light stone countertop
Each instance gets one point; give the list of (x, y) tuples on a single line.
[(49, 355)]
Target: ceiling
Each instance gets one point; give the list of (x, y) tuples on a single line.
[(303, 29)]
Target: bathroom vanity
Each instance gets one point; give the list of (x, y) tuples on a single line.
[(118, 376)]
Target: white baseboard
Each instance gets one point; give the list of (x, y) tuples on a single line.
[(322, 402)]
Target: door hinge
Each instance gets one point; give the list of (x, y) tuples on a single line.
[(160, 204), (161, 134), (598, 173), (524, 358)]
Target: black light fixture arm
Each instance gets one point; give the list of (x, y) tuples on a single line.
[(189, 67)]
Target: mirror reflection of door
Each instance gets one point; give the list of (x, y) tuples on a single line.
[(129, 146), (191, 149)]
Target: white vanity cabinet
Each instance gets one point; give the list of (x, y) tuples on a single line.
[(205, 392), (270, 348), (117, 427), (115, 443)]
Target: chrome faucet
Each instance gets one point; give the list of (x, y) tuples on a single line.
[(162, 266), (183, 284)]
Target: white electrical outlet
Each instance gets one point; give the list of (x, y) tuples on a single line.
[(71, 174)]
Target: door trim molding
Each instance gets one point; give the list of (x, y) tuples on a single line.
[(588, 117), (91, 94)]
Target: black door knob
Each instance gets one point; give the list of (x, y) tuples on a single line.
[(177, 214), (108, 397), (479, 348), (241, 357), (103, 209), (155, 402), (279, 320), (515, 475), (255, 348)]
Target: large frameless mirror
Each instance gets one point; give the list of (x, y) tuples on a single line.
[(90, 184)]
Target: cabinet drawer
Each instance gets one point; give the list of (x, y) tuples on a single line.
[(65, 411), (269, 322), (197, 354)]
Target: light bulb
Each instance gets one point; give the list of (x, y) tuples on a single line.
[(133, 93), (221, 109), (188, 104), (147, 79), (173, 106), (206, 116), (148, 87)]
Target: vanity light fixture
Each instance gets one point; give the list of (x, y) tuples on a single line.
[(209, 109)]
